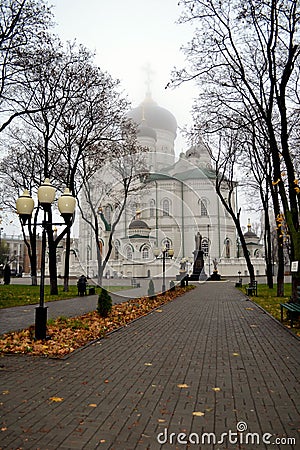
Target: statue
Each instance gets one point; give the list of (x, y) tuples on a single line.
[(198, 241), (215, 263), (215, 275)]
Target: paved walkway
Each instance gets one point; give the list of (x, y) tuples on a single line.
[(208, 362)]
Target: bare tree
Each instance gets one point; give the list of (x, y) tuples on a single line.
[(79, 109), (123, 173), (247, 53), (23, 24)]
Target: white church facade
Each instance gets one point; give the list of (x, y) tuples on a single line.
[(177, 202)]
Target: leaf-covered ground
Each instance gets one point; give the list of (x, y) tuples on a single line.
[(68, 334)]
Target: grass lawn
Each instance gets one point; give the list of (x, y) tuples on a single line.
[(20, 295), (268, 300)]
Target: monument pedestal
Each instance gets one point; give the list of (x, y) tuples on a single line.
[(215, 276), (198, 268)]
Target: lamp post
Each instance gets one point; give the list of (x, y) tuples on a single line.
[(25, 205), (165, 253)]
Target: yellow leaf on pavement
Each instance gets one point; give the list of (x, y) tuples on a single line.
[(198, 413), (182, 386), (56, 399)]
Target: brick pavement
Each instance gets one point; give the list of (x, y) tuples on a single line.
[(210, 352)]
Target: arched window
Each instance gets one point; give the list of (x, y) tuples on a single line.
[(117, 247), (107, 213), (227, 248), (145, 253), (204, 246), (152, 208), (129, 252), (167, 243), (203, 207), (166, 207)]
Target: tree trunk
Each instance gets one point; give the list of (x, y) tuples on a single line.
[(52, 257), (268, 251)]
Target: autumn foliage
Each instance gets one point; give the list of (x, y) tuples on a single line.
[(68, 334)]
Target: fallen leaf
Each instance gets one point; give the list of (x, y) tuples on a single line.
[(249, 309), (182, 386), (4, 429), (235, 354), (198, 413), (216, 389), (161, 420), (56, 399), (5, 392), (159, 310), (106, 381), (147, 364), (72, 333), (93, 405), (102, 441), (253, 326)]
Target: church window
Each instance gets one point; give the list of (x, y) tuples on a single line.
[(152, 208), (227, 248), (129, 253), (167, 244), (145, 253), (107, 213), (166, 207), (117, 247), (204, 246), (203, 207)]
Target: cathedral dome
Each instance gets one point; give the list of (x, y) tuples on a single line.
[(199, 154), (138, 224), (144, 131), (149, 114), (250, 236)]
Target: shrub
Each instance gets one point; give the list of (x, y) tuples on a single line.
[(104, 303), (172, 286), (151, 292)]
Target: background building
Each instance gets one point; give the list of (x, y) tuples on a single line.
[(176, 201)]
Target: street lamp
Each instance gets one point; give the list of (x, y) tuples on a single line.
[(25, 205), (165, 253)]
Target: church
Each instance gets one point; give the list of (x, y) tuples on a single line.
[(163, 220)]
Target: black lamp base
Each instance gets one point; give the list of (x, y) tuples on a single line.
[(41, 322)]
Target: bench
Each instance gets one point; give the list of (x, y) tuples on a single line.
[(91, 289), (86, 290), (251, 289), (135, 283), (293, 309)]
